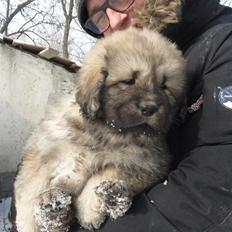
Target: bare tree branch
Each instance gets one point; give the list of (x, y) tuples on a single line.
[(26, 33), (55, 25), (68, 19), (12, 15), (7, 12)]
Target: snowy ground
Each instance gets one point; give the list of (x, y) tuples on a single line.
[(6, 187), (4, 209)]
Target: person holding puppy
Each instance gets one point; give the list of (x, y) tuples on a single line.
[(197, 196)]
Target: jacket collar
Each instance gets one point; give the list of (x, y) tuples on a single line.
[(197, 16)]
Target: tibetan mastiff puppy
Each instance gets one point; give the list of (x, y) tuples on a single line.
[(105, 143)]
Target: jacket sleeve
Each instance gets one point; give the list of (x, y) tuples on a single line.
[(198, 195)]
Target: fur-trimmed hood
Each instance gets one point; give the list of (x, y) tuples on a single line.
[(157, 14), (179, 19)]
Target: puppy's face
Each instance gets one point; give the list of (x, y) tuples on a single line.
[(136, 100), (133, 78)]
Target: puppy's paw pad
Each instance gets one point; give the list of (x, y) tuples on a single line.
[(115, 198), (53, 210)]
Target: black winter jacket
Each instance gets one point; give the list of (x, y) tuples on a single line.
[(197, 197)]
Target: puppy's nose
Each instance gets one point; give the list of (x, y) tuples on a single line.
[(148, 109)]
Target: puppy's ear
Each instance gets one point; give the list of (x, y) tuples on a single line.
[(91, 81)]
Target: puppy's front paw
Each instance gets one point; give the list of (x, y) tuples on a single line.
[(115, 198), (91, 220), (88, 211), (53, 211)]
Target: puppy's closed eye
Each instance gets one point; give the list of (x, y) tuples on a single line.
[(133, 79), (104, 72), (162, 84)]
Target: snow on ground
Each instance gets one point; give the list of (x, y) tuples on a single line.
[(4, 210)]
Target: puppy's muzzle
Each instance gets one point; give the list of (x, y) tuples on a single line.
[(148, 108)]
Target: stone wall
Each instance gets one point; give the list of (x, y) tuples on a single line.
[(26, 81)]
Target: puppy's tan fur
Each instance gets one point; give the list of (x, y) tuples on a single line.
[(101, 133)]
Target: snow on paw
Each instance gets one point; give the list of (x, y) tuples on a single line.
[(53, 211), (115, 198)]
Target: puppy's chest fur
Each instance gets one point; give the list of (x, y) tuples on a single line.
[(74, 143)]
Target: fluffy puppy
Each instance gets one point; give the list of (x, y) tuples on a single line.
[(99, 147)]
